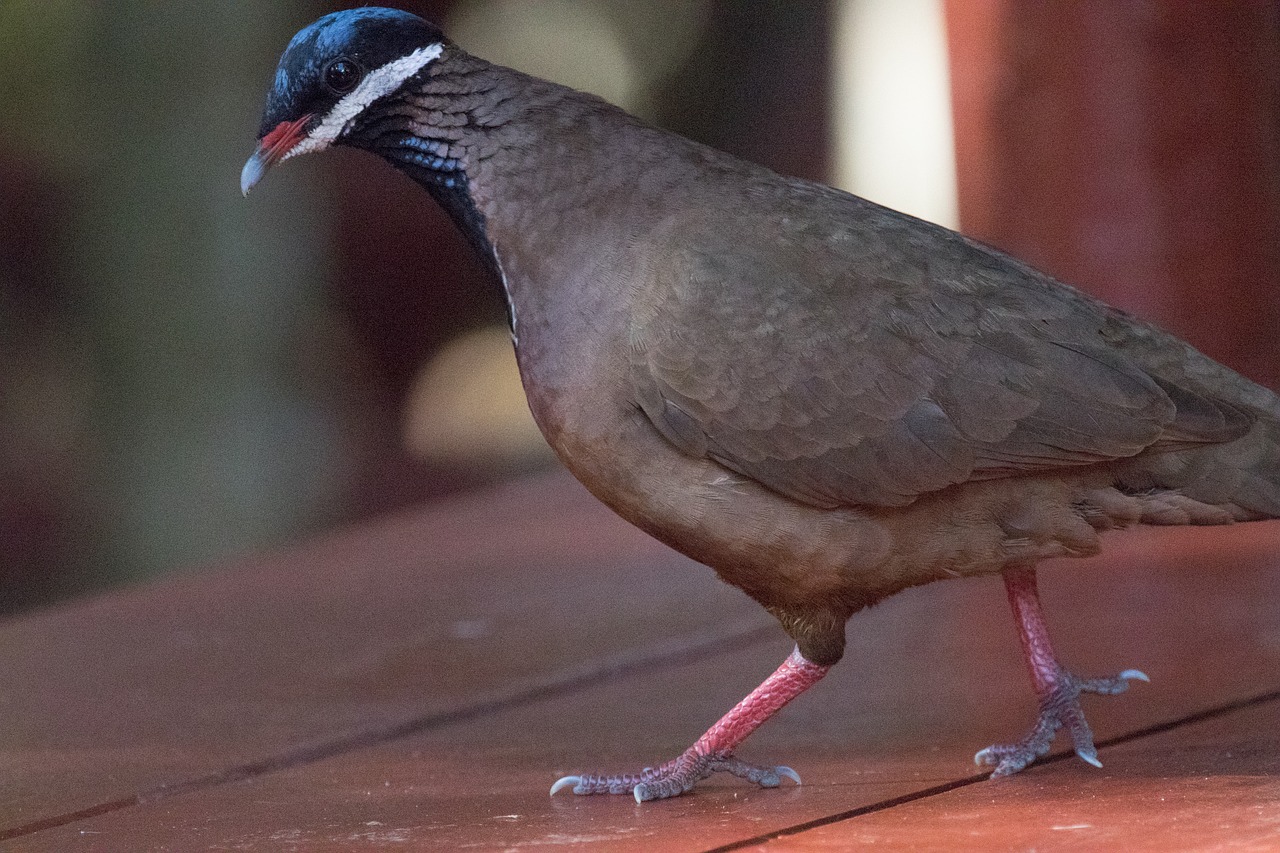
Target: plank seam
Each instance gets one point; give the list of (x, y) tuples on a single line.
[(947, 787)]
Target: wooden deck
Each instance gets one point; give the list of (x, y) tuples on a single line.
[(419, 683)]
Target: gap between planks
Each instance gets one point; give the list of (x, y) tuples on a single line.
[(947, 787)]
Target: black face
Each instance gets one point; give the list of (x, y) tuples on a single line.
[(331, 57)]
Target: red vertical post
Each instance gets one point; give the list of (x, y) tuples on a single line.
[(1131, 148)]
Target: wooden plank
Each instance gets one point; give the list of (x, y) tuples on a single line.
[(484, 786), (284, 655), (931, 676), (1210, 785)]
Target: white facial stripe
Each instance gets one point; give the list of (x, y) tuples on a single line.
[(379, 83)]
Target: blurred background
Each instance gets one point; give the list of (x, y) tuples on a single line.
[(186, 375)]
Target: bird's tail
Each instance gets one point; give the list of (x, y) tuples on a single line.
[(1240, 477)]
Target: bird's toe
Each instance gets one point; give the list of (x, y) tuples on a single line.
[(675, 777), (1109, 686), (566, 782), (1089, 755), (762, 775)]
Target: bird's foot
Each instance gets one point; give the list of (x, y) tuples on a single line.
[(675, 777), (714, 750), (1059, 709)]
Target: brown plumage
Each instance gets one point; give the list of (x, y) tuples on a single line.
[(824, 400)]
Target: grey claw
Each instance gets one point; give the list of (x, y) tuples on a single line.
[(788, 773), (564, 782), (1134, 675), (1090, 757), (984, 757), (641, 793)]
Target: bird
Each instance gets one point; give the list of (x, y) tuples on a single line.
[(823, 400)]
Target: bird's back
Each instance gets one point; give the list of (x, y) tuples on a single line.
[(846, 354)]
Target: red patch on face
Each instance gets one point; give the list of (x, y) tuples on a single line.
[(283, 138)]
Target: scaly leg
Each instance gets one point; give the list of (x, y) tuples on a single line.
[(1059, 691), (714, 750)]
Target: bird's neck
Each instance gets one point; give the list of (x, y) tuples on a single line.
[(536, 176)]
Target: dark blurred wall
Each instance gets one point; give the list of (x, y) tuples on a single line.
[(162, 398), (758, 85), (1132, 148)]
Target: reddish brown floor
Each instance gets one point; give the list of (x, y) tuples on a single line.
[(420, 683)]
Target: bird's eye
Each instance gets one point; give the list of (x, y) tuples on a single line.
[(341, 75)]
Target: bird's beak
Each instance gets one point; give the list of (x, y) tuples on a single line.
[(273, 148)]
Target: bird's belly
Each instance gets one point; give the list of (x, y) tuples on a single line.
[(780, 552)]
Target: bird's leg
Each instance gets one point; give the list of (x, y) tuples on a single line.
[(1058, 690), (714, 750)]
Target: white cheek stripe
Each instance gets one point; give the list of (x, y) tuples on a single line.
[(378, 84)]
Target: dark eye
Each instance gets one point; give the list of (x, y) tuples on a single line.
[(341, 75)]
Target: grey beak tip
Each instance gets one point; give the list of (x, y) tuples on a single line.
[(252, 172)]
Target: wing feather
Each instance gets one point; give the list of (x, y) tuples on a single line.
[(879, 358)]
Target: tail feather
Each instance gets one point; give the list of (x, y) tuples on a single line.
[(1240, 476), (1238, 468)]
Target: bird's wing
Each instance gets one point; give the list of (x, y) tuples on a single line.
[(871, 363)]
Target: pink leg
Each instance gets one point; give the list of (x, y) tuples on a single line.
[(1033, 632), (1058, 690), (714, 750)]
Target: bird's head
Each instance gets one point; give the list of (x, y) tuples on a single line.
[(332, 72)]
